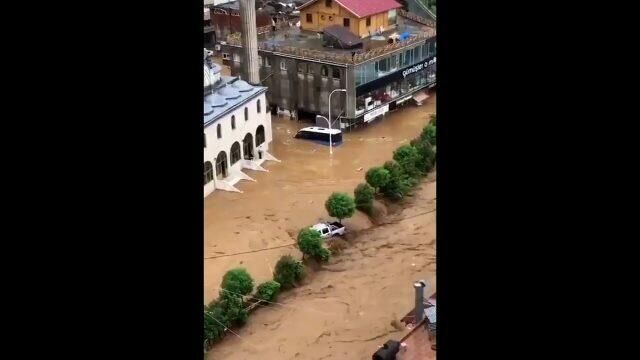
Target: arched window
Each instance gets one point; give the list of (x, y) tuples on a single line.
[(323, 71), (221, 165), (258, 106), (336, 73), (235, 152), (219, 131), (259, 135), (208, 172), (246, 113), (233, 121)]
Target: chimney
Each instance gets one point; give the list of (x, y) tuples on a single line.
[(419, 308), (249, 41)]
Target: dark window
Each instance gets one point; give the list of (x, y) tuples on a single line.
[(301, 67), (345, 22), (309, 18), (383, 65), (327, 3), (323, 71), (246, 113), (208, 172), (258, 106), (259, 135), (310, 69), (204, 136), (219, 131), (221, 165), (233, 121), (336, 73), (369, 21), (235, 152)]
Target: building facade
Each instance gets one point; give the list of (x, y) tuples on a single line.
[(362, 18), (377, 80), (237, 130)]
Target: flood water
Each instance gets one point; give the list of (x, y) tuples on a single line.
[(353, 305), (291, 195)]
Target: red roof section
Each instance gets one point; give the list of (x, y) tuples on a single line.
[(362, 8)]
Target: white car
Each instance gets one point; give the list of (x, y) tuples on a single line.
[(329, 229)]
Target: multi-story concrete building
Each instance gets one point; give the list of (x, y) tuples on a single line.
[(237, 130), (390, 68)]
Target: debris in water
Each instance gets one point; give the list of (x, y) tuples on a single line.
[(359, 169), (413, 264)]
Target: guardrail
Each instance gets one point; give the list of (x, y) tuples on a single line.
[(357, 58), (416, 18)]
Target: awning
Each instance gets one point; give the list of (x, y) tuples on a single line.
[(420, 96)]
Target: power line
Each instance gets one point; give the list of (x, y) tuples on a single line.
[(248, 252), (277, 303), (226, 328)]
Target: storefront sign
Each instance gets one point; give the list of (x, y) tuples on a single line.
[(418, 67), (375, 113), (394, 76)]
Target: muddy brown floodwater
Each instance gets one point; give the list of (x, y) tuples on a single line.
[(345, 311)]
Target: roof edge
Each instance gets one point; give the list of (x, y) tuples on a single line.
[(260, 90)]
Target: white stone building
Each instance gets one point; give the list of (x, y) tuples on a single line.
[(237, 130)]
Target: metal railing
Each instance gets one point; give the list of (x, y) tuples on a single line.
[(357, 58), (416, 18)]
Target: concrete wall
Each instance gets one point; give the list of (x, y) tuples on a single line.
[(292, 90), (229, 135)]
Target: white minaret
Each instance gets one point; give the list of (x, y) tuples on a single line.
[(249, 41)]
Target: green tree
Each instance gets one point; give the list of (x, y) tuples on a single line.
[(288, 271), (377, 177), (237, 281), (340, 205), (310, 243), (364, 197), (214, 324), (232, 308), (429, 134), (408, 158), (268, 290), (399, 183), (427, 155)]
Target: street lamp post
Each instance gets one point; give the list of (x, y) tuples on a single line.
[(330, 142), (342, 90)]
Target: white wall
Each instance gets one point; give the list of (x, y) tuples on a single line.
[(229, 135)]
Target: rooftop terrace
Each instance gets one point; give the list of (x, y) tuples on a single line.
[(308, 44)]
